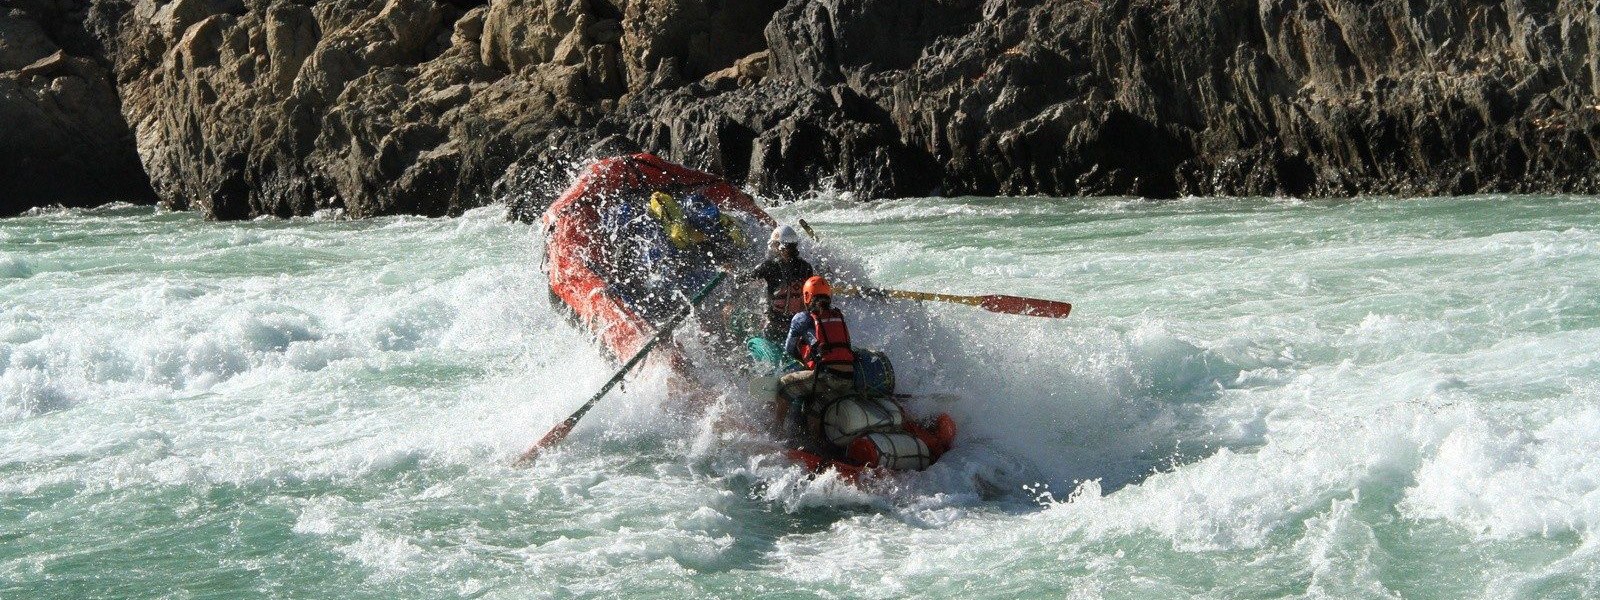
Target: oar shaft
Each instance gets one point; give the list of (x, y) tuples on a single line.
[(565, 427), (1012, 305), (910, 295), (850, 290), (997, 303)]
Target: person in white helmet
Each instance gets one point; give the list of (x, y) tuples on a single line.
[(785, 274)]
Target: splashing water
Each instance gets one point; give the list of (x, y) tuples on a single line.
[(1253, 398)]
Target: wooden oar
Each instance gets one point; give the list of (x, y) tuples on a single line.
[(565, 427), (997, 303), (809, 231)]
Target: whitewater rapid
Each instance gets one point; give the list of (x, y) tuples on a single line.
[(1253, 397)]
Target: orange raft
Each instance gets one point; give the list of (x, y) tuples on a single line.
[(619, 281)]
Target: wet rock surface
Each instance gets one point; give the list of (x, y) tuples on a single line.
[(242, 108)]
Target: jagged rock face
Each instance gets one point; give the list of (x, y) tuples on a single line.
[(62, 139), (284, 107), (1151, 98)]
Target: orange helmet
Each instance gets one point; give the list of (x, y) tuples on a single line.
[(815, 286)]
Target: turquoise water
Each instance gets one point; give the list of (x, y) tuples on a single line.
[(1253, 398)]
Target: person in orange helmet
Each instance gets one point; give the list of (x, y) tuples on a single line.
[(820, 340)]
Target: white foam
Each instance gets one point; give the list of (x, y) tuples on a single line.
[(1500, 481), (12, 267), (29, 392)]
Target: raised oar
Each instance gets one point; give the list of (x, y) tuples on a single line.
[(998, 303), (809, 231), (565, 427)]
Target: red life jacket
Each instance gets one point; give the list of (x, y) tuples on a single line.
[(833, 341), (787, 299)]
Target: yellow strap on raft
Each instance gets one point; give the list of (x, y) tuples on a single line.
[(736, 234), (666, 209)]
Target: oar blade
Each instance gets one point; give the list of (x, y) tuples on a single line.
[(1032, 307), (550, 439), (809, 231)]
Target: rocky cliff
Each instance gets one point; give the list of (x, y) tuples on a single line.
[(283, 107)]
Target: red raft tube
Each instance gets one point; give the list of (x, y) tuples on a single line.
[(578, 249), (618, 292)]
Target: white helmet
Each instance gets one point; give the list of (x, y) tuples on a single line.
[(784, 234)]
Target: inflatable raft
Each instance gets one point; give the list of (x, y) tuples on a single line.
[(598, 261), (635, 235)]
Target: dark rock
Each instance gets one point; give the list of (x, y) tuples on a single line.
[(49, 66), (700, 36), (62, 138)]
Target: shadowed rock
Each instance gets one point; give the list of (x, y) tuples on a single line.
[(62, 139)]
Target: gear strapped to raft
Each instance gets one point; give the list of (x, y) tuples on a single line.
[(690, 228)]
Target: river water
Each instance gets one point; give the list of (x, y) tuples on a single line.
[(1253, 398)]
